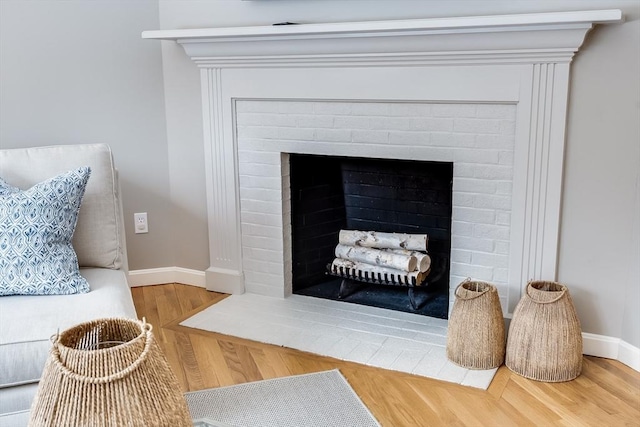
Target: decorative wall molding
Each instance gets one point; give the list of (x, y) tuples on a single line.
[(520, 59)]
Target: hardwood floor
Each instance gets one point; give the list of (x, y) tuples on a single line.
[(606, 394)]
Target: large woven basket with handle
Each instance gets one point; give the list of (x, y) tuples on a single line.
[(476, 337), (108, 372), (545, 338)]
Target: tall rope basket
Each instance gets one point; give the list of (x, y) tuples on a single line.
[(545, 338), (476, 336), (108, 372)]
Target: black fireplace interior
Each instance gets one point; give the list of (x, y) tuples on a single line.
[(329, 193)]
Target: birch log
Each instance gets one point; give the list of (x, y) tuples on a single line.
[(377, 257), (375, 239), (424, 260), (356, 267)]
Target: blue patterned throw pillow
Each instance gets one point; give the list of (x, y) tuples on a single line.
[(36, 228), (6, 188)]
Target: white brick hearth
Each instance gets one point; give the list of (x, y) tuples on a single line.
[(477, 138)]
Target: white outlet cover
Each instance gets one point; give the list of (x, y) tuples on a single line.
[(140, 222)]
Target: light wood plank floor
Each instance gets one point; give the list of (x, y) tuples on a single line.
[(606, 394)]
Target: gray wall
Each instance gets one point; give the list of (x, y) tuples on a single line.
[(599, 241), (77, 72)]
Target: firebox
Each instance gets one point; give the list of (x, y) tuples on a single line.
[(333, 193)]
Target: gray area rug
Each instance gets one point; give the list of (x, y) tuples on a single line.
[(320, 399)]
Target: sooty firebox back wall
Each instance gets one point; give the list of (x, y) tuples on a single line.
[(330, 193)]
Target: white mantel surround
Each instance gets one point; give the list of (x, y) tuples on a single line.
[(518, 60)]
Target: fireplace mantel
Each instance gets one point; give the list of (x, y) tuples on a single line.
[(516, 60), (538, 37)]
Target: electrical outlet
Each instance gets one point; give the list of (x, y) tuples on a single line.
[(140, 222)]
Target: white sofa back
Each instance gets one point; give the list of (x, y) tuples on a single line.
[(99, 239)]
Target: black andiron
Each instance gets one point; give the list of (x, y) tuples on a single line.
[(354, 276)]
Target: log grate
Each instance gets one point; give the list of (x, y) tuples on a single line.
[(354, 276)]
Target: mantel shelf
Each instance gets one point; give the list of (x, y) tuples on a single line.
[(530, 38), (433, 25)]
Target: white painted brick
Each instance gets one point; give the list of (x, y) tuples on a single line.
[(332, 108), (482, 216), (506, 158), (504, 187), (259, 230), (255, 119), (426, 152), (267, 267), (263, 278), (501, 248), (460, 256), (410, 110), (453, 110), (463, 199), (507, 127), (370, 136), (408, 138), (272, 183), (501, 275), (252, 156), (297, 107), (476, 156), (461, 228), (258, 169), (370, 109), (261, 194), (493, 260), (315, 121), (386, 130), (477, 126), (394, 123), (494, 141), (490, 231), (273, 220), (298, 134), (496, 111), (257, 132), (472, 185), (268, 255), (258, 206), (464, 170), (498, 172), (474, 271), (333, 135), (458, 140), (471, 243), (490, 201), (349, 122), (503, 218), (434, 124)]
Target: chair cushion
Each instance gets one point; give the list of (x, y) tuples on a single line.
[(98, 239), (28, 322), (36, 227)]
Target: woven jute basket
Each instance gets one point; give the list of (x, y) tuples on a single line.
[(545, 338), (108, 372), (476, 333)]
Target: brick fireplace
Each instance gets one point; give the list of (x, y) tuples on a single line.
[(488, 94), (477, 138)]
